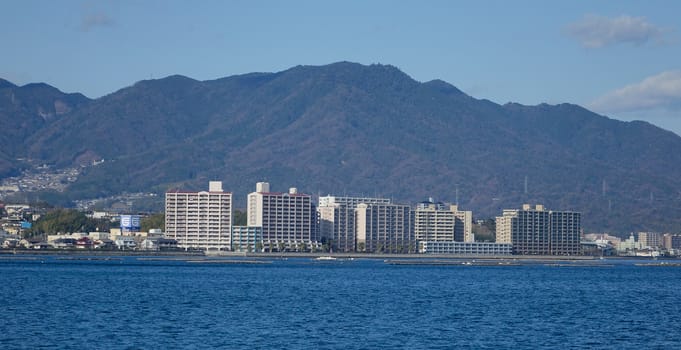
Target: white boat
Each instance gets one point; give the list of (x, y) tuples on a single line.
[(325, 258)]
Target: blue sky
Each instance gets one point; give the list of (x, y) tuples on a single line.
[(618, 58)]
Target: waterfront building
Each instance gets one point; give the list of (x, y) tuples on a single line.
[(629, 245), (465, 248), (385, 228), (537, 231), (200, 220), (247, 238), (463, 226), (288, 220), (441, 222), (158, 243), (337, 220), (671, 241), (602, 238), (650, 239), (566, 232), (125, 243), (433, 222)]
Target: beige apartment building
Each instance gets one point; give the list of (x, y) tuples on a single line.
[(385, 228), (288, 219), (337, 224), (538, 231), (652, 240), (438, 222), (200, 220)]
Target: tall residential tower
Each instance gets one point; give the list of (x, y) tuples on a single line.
[(337, 220), (537, 231), (385, 228), (201, 220), (288, 220), (437, 222)]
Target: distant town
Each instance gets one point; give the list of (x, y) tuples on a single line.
[(291, 221)]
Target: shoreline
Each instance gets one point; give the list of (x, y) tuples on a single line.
[(227, 254)]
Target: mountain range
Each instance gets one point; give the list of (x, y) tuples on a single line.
[(349, 129)]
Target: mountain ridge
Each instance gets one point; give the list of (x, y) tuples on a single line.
[(347, 127)]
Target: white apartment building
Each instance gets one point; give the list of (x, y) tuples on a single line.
[(287, 219), (200, 220), (385, 228), (337, 220)]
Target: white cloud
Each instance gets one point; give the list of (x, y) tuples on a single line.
[(594, 31), (92, 20), (658, 92)]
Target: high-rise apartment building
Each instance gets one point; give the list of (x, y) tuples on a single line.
[(337, 220), (433, 222), (566, 233), (200, 220), (439, 222), (537, 231), (650, 239), (288, 220), (385, 228), (463, 226), (670, 241)]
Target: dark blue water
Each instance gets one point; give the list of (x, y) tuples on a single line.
[(361, 304)]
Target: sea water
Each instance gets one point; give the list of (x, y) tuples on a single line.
[(136, 303)]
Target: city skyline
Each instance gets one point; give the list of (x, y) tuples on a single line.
[(617, 58), (291, 221)]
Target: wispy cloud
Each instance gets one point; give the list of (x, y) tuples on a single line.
[(661, 91), (594, 31), (90, 21)]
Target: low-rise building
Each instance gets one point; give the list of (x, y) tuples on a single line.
[(465, 248), (125, 242), (247, 238), (158, 243)]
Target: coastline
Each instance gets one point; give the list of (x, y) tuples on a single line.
[(227, 254)]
